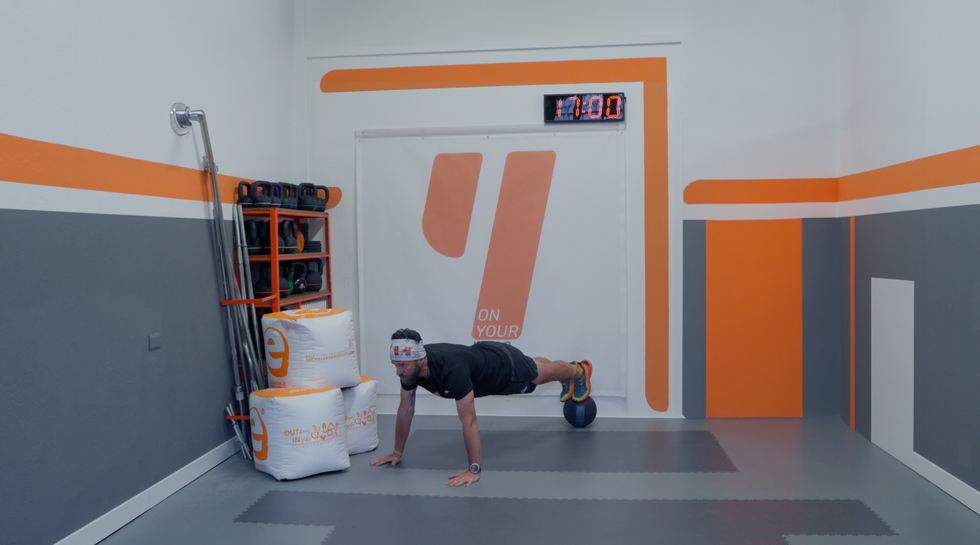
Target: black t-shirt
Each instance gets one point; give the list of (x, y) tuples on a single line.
[(455, 370)]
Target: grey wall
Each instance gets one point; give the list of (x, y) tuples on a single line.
[(694, 319), (826, 314), (937, 249), (90, 417), (845, 349)]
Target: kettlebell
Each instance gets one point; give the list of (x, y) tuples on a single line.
[(244, 198), (288, 199), (263, 286), (314, 280), (261, 194), (285, 280), (253, 236), (275, 195), (299, 282), (287, 230), (307, 197), (321, 204), (279, 238), (263, 227)]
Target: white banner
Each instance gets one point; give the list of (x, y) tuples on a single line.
[(510, 237)]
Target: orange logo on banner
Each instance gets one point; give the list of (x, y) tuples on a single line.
[(513, 239), (262, 453), (282, 355)]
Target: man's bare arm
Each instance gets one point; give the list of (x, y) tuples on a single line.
[(403, 424), (471, 437)]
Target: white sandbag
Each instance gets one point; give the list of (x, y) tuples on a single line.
[(310, 348), (298, 432), (361, 408)]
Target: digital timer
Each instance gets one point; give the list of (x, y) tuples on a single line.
[(585, 108)]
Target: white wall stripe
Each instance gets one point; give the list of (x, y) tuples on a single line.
[(18, 196), (781, 211), (944, 197)]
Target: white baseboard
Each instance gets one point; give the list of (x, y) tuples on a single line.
[(102, 527), (938, 476)]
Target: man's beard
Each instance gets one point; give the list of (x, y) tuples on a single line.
[(412, 382)]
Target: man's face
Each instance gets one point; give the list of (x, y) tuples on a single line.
[(408, 372)]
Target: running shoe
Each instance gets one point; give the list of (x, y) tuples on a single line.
[(566, 389), (583, 384)]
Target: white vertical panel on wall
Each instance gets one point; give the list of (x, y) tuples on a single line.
[(893, 385), (892, 364)]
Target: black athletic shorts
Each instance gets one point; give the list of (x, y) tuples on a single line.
[(523, 370)]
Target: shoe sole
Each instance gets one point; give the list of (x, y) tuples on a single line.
[(587, 366)]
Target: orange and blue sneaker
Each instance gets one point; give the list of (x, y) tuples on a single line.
[(583, 384), (566, 388)]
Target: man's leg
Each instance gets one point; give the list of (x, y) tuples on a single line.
[(550, 371), (575, 377)]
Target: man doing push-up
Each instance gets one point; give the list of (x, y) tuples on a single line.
[(464, 373)]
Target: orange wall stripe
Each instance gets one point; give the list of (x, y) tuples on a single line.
[(853, 337), (657, 244), (944, 170), (335, 195), (761, 191), (754, 318), (35, 162), (494, 75), (43, 163), (653, 73)]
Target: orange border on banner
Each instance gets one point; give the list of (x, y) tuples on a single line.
[(652, 73)]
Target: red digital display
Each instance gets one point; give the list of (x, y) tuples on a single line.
[(584, 107)]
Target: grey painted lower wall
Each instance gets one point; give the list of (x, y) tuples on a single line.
[(91, 417), (937, 249), (845, 347), (825, 289), (694, 319)]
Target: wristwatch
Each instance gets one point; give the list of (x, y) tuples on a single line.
[(475, 468)]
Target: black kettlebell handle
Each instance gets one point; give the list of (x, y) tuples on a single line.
[(265, 191), (300, 265), (246, 197), (326, 193)]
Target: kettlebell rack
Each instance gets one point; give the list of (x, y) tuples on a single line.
[(276, 259)]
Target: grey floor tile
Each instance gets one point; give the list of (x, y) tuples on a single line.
[(805, 471)]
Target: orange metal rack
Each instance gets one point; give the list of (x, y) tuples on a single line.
[(274, 301)]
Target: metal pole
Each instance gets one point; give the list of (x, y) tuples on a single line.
[(180, 122)]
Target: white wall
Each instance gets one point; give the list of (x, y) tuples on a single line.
[(909, 83), (103, 75), (759, 78)]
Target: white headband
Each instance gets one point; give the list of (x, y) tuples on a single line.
[(406, 350)]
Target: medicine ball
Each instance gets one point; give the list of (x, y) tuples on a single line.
[(580, 413)]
